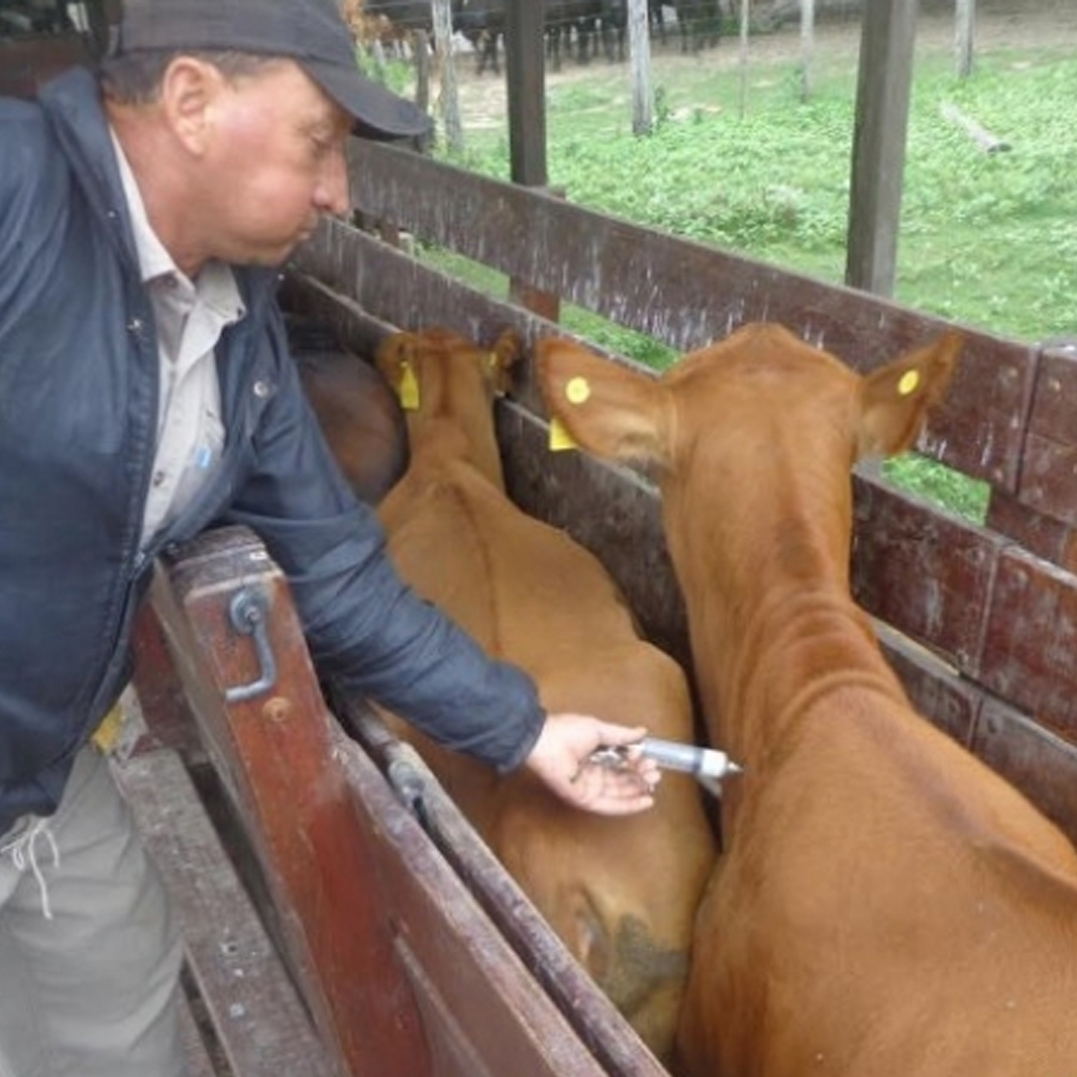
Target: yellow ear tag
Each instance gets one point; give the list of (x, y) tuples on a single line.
[(108, 732), (560, 438), (409, 389), (577, 390), (909, 381), (493, 372)]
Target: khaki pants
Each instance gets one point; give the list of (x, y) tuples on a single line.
[(89, 954)]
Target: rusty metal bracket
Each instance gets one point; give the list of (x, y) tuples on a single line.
[(248, 612)]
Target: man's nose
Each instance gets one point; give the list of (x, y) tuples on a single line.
[(332, 194)]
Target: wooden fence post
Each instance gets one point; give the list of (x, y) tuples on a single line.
[(449, 97), (878, 166), (807, 46), (964, 26), (639, 50)]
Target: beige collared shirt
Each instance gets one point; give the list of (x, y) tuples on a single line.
[(190, 316)]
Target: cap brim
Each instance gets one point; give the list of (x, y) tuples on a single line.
[(378, 112)]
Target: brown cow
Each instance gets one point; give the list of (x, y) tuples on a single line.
[(359, 413), (621, 893), (885, 905)]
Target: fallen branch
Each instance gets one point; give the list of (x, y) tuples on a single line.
[(988, 142)]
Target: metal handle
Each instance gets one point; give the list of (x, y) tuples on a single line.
[(247, 611)]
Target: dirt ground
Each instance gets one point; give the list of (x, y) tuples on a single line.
[(1039, 24)]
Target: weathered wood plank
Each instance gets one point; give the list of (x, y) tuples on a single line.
[(356, 329), (1031, 638), (402, 291), (593, 1017), (1044, 536), (686, 293), (1043, 766), (275, 756), (1048, 479), (936, 688), (526, 90), (256, 1013), (198, 1060), (611, 510), (1040, 764), (927, 574), (169, 721), (483, 1014)]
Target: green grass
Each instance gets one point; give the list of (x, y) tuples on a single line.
[(989, 240), (948, 489), (986, 240)]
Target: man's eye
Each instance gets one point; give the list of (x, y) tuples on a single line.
[(321, 145)]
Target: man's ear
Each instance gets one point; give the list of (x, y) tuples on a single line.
[(606, 408), (896, 398), (190, 91)]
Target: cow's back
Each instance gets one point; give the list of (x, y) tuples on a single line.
[(621, 892), (872, 873)]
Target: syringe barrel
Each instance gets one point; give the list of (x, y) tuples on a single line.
[(690, 758)]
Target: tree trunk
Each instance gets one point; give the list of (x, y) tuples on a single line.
[(449, 98)]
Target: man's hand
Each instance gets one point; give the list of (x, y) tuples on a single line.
[(560, 758)]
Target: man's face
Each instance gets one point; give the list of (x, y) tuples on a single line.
[(273, 164)]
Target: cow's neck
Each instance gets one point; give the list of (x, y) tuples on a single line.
[(772, 622), (444, 431)]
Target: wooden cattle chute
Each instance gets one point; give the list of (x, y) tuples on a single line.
[(980, 621), (410, 950)]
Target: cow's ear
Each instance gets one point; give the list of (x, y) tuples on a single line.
[(604, 407), (507, 351), (896, 398), (394, 355)]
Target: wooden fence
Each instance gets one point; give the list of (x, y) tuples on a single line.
[(981, 622)]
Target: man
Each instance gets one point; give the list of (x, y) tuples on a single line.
[(146, 393)]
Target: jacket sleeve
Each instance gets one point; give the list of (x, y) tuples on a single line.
[(365, 627)]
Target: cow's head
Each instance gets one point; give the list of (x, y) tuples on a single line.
[(760, 377), (446, 384), (751, 440)]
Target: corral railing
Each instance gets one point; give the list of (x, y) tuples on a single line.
[(980, 621), (389, 942)]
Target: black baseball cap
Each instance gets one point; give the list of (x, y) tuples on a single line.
[(311, 32)]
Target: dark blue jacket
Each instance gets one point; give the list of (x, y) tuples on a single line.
[(78, 412)]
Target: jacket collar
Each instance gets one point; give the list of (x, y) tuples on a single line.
[(72, 104)]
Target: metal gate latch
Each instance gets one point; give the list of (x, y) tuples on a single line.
[(248, 613)]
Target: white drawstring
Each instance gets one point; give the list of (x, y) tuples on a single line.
[(23, 852)]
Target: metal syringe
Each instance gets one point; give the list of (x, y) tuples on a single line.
[(708, 765)]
